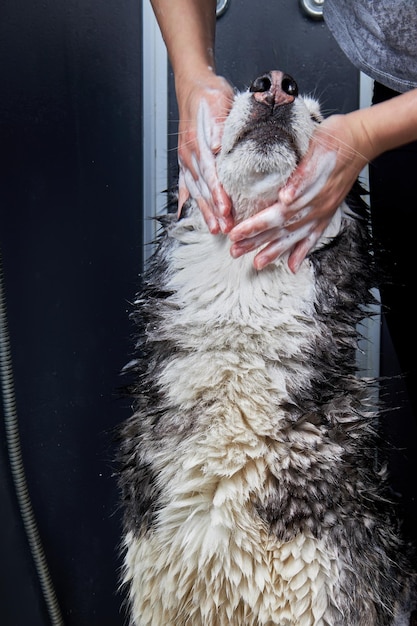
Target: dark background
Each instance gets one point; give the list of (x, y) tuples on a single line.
[(71, 243), (70, 237)]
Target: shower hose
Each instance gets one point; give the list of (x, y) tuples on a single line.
[(17, 466)]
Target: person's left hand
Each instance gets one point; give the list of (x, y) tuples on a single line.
[(308, 201)]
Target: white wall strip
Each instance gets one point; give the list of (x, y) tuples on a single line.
[(155, 124), (368, 355)]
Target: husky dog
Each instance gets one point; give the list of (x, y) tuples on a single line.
[(253, 491)]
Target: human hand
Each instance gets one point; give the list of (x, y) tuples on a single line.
[(203, 105), (307, 202)]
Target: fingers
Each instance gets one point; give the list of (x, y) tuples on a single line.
[(301, 250), (209, 138), (309, 179), (213, 203), (274, 216), (197, 189), (281, 229), (222, 208), (278, 241), (276, 221), (203, 111), (183, 193), (298, 244)]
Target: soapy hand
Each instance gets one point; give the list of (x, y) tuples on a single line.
[(204, 109), (308, 201)]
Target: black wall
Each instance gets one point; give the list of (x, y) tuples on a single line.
[(70, 237)]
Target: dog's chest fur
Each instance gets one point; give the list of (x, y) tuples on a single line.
[(253, 495)]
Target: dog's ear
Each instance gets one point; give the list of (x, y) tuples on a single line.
[(313, 107)]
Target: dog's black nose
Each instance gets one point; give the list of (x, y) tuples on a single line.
[(274, 88)]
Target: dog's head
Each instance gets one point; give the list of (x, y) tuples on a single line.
[(265, 136)]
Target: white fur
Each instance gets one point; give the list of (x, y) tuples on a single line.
[(216, 551)]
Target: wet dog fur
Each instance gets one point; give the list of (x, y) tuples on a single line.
[(252, 482)]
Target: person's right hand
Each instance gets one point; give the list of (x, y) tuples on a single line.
[(204, 104)]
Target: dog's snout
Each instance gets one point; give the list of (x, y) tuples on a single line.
[(274, 88)]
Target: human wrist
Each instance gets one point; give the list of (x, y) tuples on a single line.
[(200, 84), (389, 124)]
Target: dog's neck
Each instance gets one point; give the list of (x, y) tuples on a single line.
[(251, 190), (253, 195)]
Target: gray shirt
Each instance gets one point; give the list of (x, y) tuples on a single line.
[(379, 37)]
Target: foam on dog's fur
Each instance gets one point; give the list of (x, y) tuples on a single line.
[(253, 491)]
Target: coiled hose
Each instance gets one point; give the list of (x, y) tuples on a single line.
[(17, 467)]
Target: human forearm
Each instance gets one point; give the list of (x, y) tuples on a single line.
[(204, 100), (188, 28), (386, 125)]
